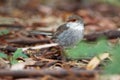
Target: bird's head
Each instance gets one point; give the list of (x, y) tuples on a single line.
[(75, 21), (75, 18)]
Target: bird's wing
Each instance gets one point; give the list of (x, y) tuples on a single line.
[(59, 30)]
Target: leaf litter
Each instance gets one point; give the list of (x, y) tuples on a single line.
[(49, 62)]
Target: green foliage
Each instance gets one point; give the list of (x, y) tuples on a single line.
[(114, 66), (18, 53), (2, 55), (85, 49), (112, 2), (4, 32), (13, 59)]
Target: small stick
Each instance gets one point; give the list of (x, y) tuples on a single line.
[(41, 46), (57, 73)]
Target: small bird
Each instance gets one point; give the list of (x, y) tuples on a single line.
[(70, 33)]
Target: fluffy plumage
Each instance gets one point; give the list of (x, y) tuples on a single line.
[(70, 33)]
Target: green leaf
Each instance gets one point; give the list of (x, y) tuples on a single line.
[(114, 66), (101, 47), (4, 32), (85, 49), (3, 55), (78, 51), (112, 2), (13, 61), (18, 53)]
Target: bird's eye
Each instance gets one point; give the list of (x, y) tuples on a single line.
[(72, 20)]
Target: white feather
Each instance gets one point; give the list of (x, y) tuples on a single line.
[(75, 25)]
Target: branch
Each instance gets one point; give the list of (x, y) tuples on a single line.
[(112, 34), (12, 26), (56, 73), (28, 41), (10, 48), (41, 46)]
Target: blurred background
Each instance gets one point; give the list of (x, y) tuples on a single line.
[(97, 14), (12, 7)]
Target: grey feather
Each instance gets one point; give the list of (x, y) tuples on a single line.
[(69, 34)]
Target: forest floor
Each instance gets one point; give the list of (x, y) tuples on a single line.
[(23, 29)]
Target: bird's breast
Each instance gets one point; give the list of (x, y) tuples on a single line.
[(70, 37), (75, 25)]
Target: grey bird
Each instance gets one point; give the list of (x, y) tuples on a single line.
[(70, 33)]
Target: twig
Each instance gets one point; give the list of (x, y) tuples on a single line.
[(41, 46), (10, 48), (11, 26), (41, 32), (28, 41), (56, 73), (112, 34)]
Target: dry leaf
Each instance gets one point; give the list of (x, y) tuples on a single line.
[(96, 61)]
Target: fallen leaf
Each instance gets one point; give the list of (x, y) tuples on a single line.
[(96, 61)]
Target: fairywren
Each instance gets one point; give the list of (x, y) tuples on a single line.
[(70, 33)]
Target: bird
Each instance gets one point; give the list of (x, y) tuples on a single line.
[(70, 33)]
